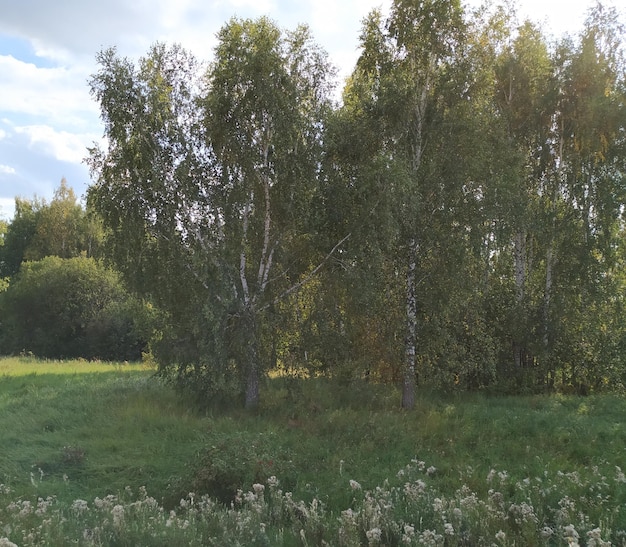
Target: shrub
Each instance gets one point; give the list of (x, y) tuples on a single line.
[(65, 308)]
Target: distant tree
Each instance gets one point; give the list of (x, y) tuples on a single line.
[(63, 308), (59, 228), (19, 234)]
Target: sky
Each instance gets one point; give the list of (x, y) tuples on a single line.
[(48, 49)]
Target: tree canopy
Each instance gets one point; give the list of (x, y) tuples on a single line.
[(456, 220)]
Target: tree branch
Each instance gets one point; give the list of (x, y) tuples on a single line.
[(310, 276)]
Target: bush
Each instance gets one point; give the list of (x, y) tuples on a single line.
[(65, 308)]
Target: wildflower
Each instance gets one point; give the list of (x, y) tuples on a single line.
[(118, 515), (355, 485), (374, 535), (431, 470), (4, 542), (501, 536), (258, 488), (414, 490), (438, 505), (420, 464), (272, 482), (571, 535), (26, 510), (78, 506), (448, 529), (595, 539), (547, 532), (619, 475)]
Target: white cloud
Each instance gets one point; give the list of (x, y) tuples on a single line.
[(7, 208), (7, 170), (59, 94), (60, 145)]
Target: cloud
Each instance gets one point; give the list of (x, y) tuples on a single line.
[(59, 94), (7, 170), (60, 145), (7, 208)]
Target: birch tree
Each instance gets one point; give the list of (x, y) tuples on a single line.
[(401, 86), (205, 187)]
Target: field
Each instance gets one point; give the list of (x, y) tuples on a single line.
[(105, 454)]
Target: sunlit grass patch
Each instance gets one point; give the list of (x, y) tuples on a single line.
[(24, 366)]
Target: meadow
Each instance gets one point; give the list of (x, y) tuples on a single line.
[(106, 454)]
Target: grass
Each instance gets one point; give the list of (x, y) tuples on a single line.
[(83, 431)]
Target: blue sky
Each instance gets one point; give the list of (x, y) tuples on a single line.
[(48, 49)]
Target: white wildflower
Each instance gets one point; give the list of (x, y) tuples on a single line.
[(431, 470), (570, 534), (79, 506), (118, 515), (272, 482), (374, 535), (4, 542), (355, 485), (595, 539), (414, 490), (448, 529), (500, 536), (258, 488), (26, 510)]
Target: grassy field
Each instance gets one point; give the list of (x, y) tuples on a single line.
[(104, 454)]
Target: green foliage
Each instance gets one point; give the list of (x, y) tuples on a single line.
[(60, 308), (18, 235), (39, 229), (205, 187), (477, 167)]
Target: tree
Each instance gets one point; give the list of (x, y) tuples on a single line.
[(39, 229), (399, 93), (19, 234), (205, 187), (63, 228), (68, 308)]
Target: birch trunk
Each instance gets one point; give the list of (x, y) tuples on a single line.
[(252, 361), (408, 385), (519, 255)]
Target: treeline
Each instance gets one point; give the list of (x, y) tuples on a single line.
[(457, 221), (57, 298)]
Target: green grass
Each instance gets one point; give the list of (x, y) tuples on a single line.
[(79, 430)]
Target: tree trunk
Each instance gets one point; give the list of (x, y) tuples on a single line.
[(252, 361), (519, 255), (408, 385), (547, 296)]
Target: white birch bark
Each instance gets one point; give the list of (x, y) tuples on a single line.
[(408, 385)]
